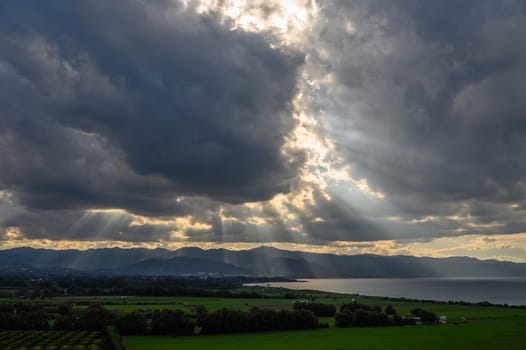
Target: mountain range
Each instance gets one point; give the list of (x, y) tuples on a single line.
[(262, 261)]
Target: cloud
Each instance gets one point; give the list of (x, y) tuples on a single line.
[(423, 101), (301, 123), (11, 234), (130, 104)]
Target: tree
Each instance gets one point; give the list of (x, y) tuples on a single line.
[(343, 318), (425, 315), (132, 324), (94, 318), (171, 322), (390, 310), (320, 309)]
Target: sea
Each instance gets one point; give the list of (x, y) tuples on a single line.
[(495, 290)]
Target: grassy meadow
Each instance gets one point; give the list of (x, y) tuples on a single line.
[(493, 333), (470, 326)]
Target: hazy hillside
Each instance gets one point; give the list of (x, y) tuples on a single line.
[(263, 261)]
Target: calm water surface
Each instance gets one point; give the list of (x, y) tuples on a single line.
[(495, 290)]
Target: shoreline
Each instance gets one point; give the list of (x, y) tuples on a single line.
[(451, 301)]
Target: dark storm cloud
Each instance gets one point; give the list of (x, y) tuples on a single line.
[(427, 100), (127, 104)]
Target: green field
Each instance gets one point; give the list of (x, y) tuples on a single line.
[(470, 326), (495, 333), (452, 311), (186, 304)]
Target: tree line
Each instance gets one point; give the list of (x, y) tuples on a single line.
[(360, 315), (255, 320), (223, 321), (35, 316), (319, 309)]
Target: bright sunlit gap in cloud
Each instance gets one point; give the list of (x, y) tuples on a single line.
[(288, 19)]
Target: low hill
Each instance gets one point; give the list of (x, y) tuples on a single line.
[(263, 261)]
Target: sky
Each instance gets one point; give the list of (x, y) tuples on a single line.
[(377, 126)]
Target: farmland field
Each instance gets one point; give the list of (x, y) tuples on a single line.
[(453, 311), (183, 303), (52, 340), (186, 304), (470, 327), (492, 333)]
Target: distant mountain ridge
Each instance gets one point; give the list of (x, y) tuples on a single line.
[(262, 261)]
